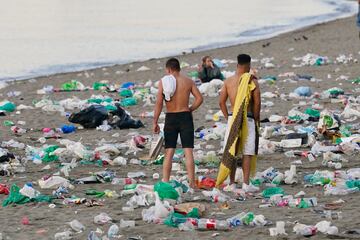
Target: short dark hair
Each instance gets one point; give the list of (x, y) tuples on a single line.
[(173, 64), (243, 59)]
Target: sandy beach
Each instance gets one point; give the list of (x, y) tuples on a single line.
[(329, 39)]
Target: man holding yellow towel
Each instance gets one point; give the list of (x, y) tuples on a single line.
[(241, 138)]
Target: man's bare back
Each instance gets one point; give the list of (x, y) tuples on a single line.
[(231, 86), (180, 100)]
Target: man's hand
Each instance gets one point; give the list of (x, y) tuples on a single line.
[(156, 128)]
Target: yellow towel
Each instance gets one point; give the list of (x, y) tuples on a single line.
[(238, 130)]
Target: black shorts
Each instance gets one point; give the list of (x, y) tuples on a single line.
[(179, 122)]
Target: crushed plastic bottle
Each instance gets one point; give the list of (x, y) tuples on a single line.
[(241, 219), (113, 231), (212, 224)]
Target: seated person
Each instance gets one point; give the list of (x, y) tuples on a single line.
[(209, 71)]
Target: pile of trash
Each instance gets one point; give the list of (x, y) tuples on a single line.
[(316, 140)]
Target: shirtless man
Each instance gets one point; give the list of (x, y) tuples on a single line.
[(178, 119), (229, 90)]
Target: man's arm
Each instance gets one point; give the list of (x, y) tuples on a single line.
[(198, 97), (256, 96), (222, 101), (158, 108)]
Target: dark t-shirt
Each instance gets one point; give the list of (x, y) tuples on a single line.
[(207, 74)]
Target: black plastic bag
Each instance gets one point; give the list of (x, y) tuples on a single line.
[(90, 117), (122, 120)]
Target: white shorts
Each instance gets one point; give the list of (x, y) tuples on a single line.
[(249, 146)]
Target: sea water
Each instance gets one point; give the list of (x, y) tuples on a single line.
[(39, 37)]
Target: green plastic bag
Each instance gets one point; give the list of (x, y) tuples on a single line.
[(159, 160), (174, 218), (110, 107), (193, 74), (334, 92), (8, 107), (177, 184), (267, 193), (345, 131), (98, 85), (126, 93), (328, 121), (303, 204), (8, 123), (312, 112), (256, 182), (248, 218), (70, 86), (270, 77), (130, 186), (15, 197), (49, 157), (166, 191), (126, 102), (319, 180), (93, 192), (353, 184), (95, 100), (356, 81)]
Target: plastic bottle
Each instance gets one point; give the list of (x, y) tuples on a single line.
[(311, 201), (212, 224), (236, 220), (113, 231), (294, 202), (186, 226), (278, 179), (136, 174), (123, 181), (241, 219)]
